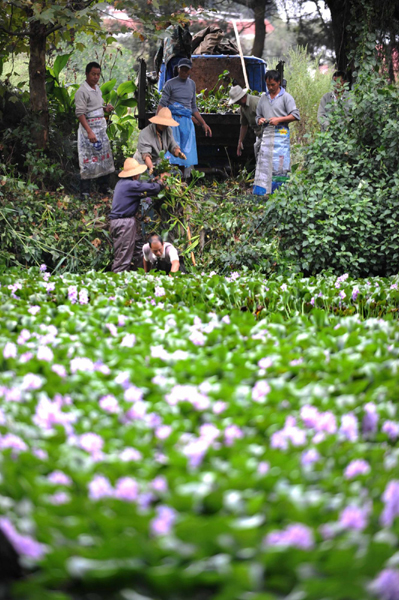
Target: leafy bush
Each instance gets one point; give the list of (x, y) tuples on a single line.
[(341, 211), (52, 228), (159, 442)]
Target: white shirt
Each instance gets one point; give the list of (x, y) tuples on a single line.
[(169, 253)]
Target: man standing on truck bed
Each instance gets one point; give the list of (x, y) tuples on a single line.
[(248, 105), (179, 95), (275, 110)]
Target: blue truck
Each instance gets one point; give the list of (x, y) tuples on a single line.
[(220, 150)]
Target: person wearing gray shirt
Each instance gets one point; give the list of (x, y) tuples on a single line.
[(330, 99), (94, 150), (179, 95), (276, 109)]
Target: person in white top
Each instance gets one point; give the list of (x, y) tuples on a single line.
[(160, 255), (95, 155)]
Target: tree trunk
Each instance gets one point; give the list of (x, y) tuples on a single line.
[(340, 14), (259, 9), (37, 84)]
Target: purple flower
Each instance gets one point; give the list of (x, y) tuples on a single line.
[(309, 457), (133, 394), (10, 440), (163, 432), (263, 467), (137, 412), (342, 295), (260, 390), (219, 407), (163, 522), (386, 585), (349, 427), (43, 268), (265, 363), (312, 301), (10, 350), (91, 442), (296, 362), (226, 320), (128, 341), (197, 338), (100, 487), (72, 294), (50, 287), (231, 433), (109, 403), (159, 291), (394, 286), (48, 414), (390, 498), (355, 293), (59, 498), (353, 517), (45, 353), (33, 310), (296, 535), (159, 484), (81, 363), (112, 329), (195, 451), (59, 370), (127, 489), (83, 296), (130, 455), (59, 478), (370, 418), (23, 337), (356, 467), (391, 428), (31, 382), (284, 288), (23, 544)]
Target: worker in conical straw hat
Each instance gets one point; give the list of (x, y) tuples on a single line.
[(248, 105), (157, 136), (124, 227)]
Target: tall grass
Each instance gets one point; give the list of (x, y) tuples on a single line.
[(307, 84)]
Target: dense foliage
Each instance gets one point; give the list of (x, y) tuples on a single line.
[(156, 441), (341, 210)]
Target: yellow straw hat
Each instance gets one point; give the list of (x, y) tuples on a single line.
[(164, 117), (132, 167)]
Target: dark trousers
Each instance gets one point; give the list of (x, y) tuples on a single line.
[(102, 184), (128, 244)]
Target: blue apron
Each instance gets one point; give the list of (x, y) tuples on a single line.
[(184, 136)]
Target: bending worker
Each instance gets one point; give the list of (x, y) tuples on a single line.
[(161, 256), (179, 94), (124, 228), (158, 136), (248, 105)]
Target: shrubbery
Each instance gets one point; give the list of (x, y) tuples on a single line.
[(342, 210)]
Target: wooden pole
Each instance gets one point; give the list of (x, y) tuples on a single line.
[(244, 70)]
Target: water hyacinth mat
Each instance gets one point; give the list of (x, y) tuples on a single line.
[(202, 437)]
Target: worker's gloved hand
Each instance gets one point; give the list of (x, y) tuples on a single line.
[(181, 155)]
